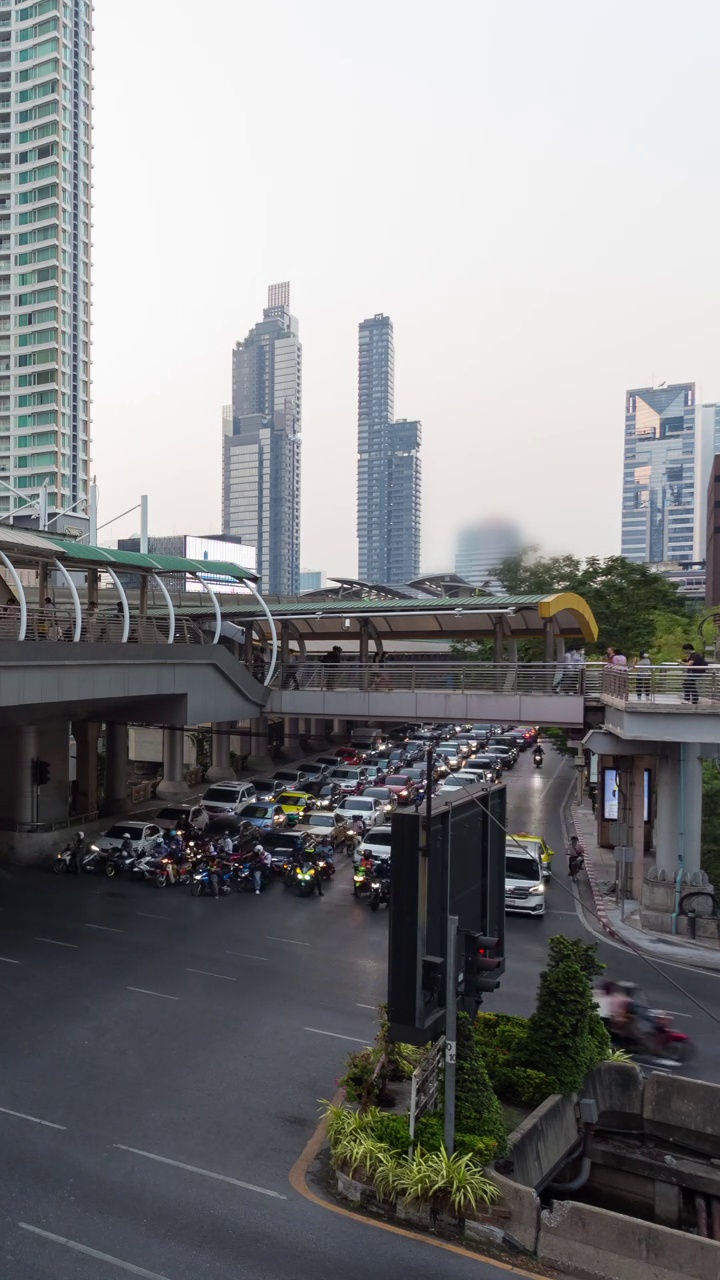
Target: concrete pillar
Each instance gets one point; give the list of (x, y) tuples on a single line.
[(143, 601), (512, 650), (292, 737), (86, 786), (559, 648), (498, 640), (638, 825), (284, 647), (260, 757), (667, 825), (116, 769), (249, 647), (93, 585), (221, 770), (340, 730), (692, 806), (549, 640), (42, 584), (364, 652), (172, 784)]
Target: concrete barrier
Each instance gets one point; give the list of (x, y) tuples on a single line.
[(586, 1241), (683, 1111), (523, 1206), (540, 1144), (617, 1087)]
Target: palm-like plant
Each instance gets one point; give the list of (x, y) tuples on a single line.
[(618, 1055), (341, 1121), (435, 1177)]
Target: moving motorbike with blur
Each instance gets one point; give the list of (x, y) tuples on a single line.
[(380, 884), (538, 756)]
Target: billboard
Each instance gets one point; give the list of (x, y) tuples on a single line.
[(611, 791), (216, 549)]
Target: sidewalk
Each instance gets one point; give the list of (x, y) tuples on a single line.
[(600, 868)]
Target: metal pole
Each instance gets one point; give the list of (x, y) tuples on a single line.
[(92, 533), (43, 506), (428, 795), (144, 524), (450, 1032)]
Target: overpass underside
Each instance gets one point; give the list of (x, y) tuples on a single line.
[(436, 705)]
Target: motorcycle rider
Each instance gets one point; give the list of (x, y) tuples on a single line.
[(127, 846), (538, 753), (312, 857), (575, 855), (358, 827), (76, 848), (214, 866), (324, 849), (226, 844), (260, 862)]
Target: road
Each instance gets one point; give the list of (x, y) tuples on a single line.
[(162, 1059)]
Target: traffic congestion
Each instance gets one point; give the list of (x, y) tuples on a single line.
[(292, 825)]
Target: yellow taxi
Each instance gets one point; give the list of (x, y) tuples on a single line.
[(532, 844), (295, 803)]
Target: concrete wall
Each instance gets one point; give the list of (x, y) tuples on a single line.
[(146, 746), (428, 704), (683, 1111), (540, 1144), (586, 1241)]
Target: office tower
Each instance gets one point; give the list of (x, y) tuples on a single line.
[(670, 442), (261, 444), (481, 549), (45, 276), (388, 513), (311, 580)]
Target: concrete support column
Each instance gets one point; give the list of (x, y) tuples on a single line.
[(116, 769), (512, 650), (498, 640), (86, 776), (638, 825), (143, 601), (221, 770), (559, 648), (667, 820), (172, 784), (42, 585), (549, 640), (248, 655), (340, 730), (93, 585), (692, 806), (260, 757), (292, 737)]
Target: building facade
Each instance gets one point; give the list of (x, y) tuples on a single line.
[(192, 547), (389, 474), (261, 444), (481, 549), (311, 580), (45, 269)]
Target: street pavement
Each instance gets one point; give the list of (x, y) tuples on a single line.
[(162, 1060)]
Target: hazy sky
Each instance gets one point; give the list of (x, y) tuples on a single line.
[(531, 191)]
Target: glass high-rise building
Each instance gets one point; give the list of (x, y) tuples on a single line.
[(45, 270), (261, 444), (481, 549), (389, 476)]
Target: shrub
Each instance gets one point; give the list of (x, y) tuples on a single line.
[(394, 1131), (523, 1087), (455, 1181), (558, 1035), (430, 1131), (583, 954), (483, 1150), (477, 1109)]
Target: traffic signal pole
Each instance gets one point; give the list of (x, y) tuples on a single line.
[(450, 1032)]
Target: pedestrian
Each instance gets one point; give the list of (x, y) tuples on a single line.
[(331, 660), (615, 658), (642, 680), (226, 844), (258, 867), (259, 666), (291, 681), (694, 662)]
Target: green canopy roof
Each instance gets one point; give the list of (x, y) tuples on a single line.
[(125, 560)]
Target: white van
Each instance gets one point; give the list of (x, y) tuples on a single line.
[(524, 882), (227, 797)]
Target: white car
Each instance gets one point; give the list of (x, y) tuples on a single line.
[(524, 883), (142, 835), (371, 811), (182, 815), (322, 824), (376, 843), (348, 777), (228, 798)]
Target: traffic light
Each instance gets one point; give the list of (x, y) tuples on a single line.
[(482, 966), (41, 773)]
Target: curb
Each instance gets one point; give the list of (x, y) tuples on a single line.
[(598, 897)]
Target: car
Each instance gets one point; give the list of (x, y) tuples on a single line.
[(450, 752), (289, 779), (506, 757), (535, 845), (264, 815), (284, 845), (371, 811), (524, 887), (403, 786), (331, 762), (178, 816), (348, 779), (328, 795), (296, 804), (490, 766), (386, 795), (372, 770), (314, 771), (320, 823), (418, 773), (349, 755), (377, 843), (505, 740), (264, 789), (232, 826), (227, 797), (141, 834)]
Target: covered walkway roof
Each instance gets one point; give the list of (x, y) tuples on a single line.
[(447, 618), (26, 547)]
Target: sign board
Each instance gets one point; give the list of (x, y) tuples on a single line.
[(425, 1087), (611, 793)]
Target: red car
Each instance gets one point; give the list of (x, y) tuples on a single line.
[(402, 786), (349, 756)]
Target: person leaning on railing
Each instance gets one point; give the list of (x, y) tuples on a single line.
[(694, 662), (642, 679)]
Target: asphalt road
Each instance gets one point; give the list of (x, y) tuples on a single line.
[(162, 1058)]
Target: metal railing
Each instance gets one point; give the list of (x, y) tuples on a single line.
[(453, 677), (672, 684), (104, 626)]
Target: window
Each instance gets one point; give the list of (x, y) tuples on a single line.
[(38, 91), (37, 295), (38, 50), (37, 193), (39, 70), (37, 215), (37, 479), (35, 338)]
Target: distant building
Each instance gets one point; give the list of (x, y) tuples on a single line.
[(481, 549), (389, 472), (191, 547), (311, 580), (261, 445), (712, 535)]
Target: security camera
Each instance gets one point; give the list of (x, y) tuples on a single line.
[(347, 623)]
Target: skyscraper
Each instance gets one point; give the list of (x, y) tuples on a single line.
[(45, 274), (481, 549), (261, 444), (389, 481), (670, 442)]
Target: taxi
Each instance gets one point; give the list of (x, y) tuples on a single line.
[(295, 803), (532, 844)]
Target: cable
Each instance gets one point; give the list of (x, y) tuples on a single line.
[(590, 910)]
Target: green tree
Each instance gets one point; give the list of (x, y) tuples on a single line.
[(477, 1108), (566, 1038), (711, 822)]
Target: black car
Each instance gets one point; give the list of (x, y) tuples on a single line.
[(231, 825), (283, 845), (327, 794), (264, 788)]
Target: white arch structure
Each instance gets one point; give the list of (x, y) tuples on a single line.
[(273, 630)]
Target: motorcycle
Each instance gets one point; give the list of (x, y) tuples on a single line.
[(537, 759), (202, 884), (92, 861), (647, 1032), (66, 862), (145, 866), (305, 875), (576, 862), (118, 860), (379, 892), (181, 872), (361, 882)]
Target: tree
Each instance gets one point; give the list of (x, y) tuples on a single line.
[(566, 1038), (477, 1108)]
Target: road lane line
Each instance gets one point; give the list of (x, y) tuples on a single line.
[(105, 928), (146, 915), (294, 941), (5, 960), (144, 992), (93, 1253), (246, 955), (35, 1119), (55, 943), (207, 974), (335, 1035), (368, 1006), (206, 1173)]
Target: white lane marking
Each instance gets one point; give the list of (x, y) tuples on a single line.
[(5, 960), (146, 915), (335, 1035), (55, 943), (206, 1173), (368, 1006), (35, 1119), (551, 912), (93, 1253), (294, 941), (246, 955), (105, 928), (206, 974), (144, 992)]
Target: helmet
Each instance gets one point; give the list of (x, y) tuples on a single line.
[(126, 835), (81, 835), (258, 849), (159, 840)]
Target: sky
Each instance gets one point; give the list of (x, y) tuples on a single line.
[(531, 192)]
